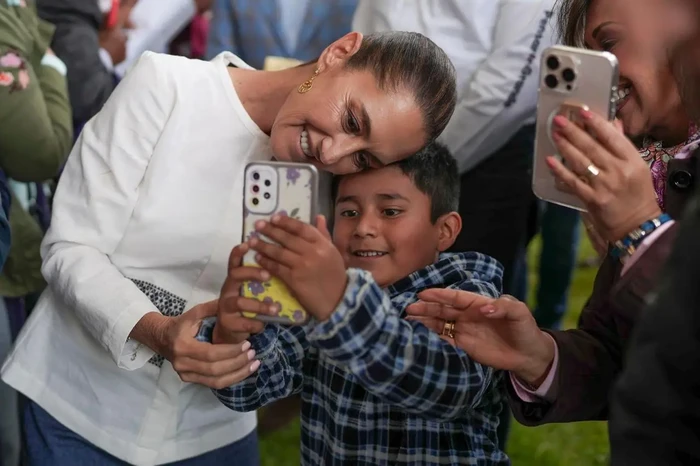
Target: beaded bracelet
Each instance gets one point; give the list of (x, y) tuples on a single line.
[(630, 243)]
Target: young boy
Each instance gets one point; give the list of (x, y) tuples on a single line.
[(377, 389)]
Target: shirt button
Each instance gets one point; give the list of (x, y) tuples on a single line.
[(682, 180)]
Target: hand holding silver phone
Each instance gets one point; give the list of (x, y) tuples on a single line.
[(571, 79)]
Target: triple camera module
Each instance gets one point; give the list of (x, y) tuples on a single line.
[(558, 74)]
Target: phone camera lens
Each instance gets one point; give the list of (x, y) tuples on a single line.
[(256, 188), (267, 196), (551, 81), (552, 62), (256, 176), (267, 183), (568, 75), (255, 201)]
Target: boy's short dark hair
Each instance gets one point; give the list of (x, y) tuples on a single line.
[(434, 172)]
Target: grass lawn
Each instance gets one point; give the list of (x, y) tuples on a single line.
[(580, 444)]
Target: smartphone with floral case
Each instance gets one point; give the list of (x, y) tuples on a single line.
[(284, 189)]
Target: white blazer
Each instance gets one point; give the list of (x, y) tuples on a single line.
[(146, 213)]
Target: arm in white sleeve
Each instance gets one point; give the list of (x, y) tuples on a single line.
[(94, 203), (501, 94)]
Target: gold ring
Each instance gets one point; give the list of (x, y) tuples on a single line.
[(448, 329), (593, 170)]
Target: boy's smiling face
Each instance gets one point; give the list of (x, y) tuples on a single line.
[(383, 225)]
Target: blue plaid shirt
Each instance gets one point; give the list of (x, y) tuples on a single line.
[(253, 29), (378, 389)]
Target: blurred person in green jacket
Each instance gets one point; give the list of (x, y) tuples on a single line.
[(36, 134)]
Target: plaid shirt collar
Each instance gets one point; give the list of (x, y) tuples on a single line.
[(449, 269)]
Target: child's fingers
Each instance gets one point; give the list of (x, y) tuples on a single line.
[(276, 253), (282, 237), (295, 227), (236, 304), (235, 259), (235, 323), (238, 275), (248, 273), (322, 226), (276, 268)]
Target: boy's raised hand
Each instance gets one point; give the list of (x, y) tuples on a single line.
[(231, 326), (305, 259)]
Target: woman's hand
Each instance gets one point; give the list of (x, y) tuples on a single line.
[(215, 366), (498, 333), (606, 173)]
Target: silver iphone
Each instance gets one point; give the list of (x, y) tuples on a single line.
[(571, 79)]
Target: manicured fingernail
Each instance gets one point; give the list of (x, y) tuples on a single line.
[(245, 346), (251, 355), (550, 162), (253, 242), (258, 257), (275, 309), (260, 224), (264, 274), (275, 218), (556, 135), (587, 114), (488, 309), (254, 366), (560, 121)]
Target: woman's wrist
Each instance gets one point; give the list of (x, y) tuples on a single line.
[(628, 244), (538, 365), (632, 224), (151, 330)]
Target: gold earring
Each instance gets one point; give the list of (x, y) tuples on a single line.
[(308, 84)]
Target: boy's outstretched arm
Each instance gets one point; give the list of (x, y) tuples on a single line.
[(404, 363)]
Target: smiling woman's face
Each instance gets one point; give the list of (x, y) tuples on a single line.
[(631, 29), (346, 123)]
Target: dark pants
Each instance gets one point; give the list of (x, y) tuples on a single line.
[(50, 443), (494, 203), (560, 238)]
